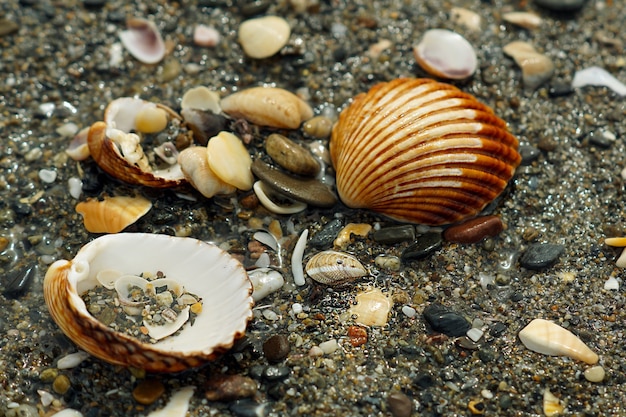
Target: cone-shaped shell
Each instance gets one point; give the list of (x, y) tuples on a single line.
[(548, 338), (112, 214), (108, 156), (203, 269), (421, 151)]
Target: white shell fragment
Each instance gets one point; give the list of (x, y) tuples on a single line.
[(598, 77), (230, 161), (264, 36), (268, 106), (536, 68), (265, 281), (467, 18), (334, 268), (194, 164), (201, 98), (72, 360), (446, 54), (143, 40), (275, 202), (548, 338), (296, 259), (372, 307), (551, 405), (206, 36), (523, 19), (178, 404)]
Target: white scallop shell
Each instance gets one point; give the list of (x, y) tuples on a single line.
[(421, 151), (446, 54), (203, 269)]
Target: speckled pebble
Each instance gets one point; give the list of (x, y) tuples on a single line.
[(474, 230), (230, 387), (61, 384), (325, 237), (400, 404), (424, 246), (148, 391), (541, 255), (291, 156), (445, 321), (276, 348), (529, 154)]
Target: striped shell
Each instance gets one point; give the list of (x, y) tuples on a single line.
[(421, 151), (201, 268), (334, 268)]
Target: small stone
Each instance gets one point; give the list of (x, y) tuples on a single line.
[(474, 230), (445, 321), (541, 255), (148, 391), (529, 154), (291, 156), (8, 27), (264, 36), (391, 263), (475, 334), (206, 36), (357, 335), (394, 234), (595, 374), (409, 311), (61, 384), (19, 280), (562, 5), (309, 191), (560, 88), (276, 348), (276, 373), (325, 237), (249, 408), (423, 381), (230, 387), (318, 127), (48, 375), (329, 346), (611, 284), (424, 246), (497, 329), (400, 404)]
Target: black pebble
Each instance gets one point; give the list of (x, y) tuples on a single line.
[(276, 348), (445, 321), (424, 246), (497, 329), (560, 88), (529, 154), (423, 381), (541, 255), (562, 5), (325, 237), (19, 280), (394, 234)]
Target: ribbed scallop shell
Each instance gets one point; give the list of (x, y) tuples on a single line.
[(334, 268), (421, 151), (112, 214), (203, 269)]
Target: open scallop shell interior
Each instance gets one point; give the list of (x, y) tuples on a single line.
[(200, 268)]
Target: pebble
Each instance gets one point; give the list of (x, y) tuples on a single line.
[(319, 127), (61, 384), (329, 346), (206, 36), (357, 335), (47, 175), (265, 281), (8, 27), (48, 375), (72, 360), (595, 374), (529, 154), (474, 230), (276, 348), (249, 408), (325, 237), (19, 281), (389, 262), (561, 5), (276, 373), (445, 321), (409, 311), (309, 191), (394, 234), (611, 284), (536, 68), (426, 244), (264, 36), (467, 18), (400, 404), (230, 387), (291, 156), (541, 255), (524, 19), (475, 334), (344, 237), (559, 88), (148, 391), (66, 412)]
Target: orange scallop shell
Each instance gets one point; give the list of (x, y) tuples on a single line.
[(421, 151)]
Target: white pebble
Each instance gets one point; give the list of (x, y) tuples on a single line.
[(206, 36), (68, 412), (611, 284), (599, 77), (46, 397), (262, 37), (486, 394), (46, 109), (474, 334), (47, 175), (329, 346), (68, 129), (409, 311), (316, 352), (595, 374), (621, 261), (265, 281), (296, 308), (75, 186), (270, 315), (72, 360), (296, 259), (116, 55)]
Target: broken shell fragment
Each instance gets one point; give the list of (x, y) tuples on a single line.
[(421, 151), (264, 36), (548, 338), (130, 114), (201, 268), (268, 106), (78, 149), (112, 214), (334, 268), (230, 160), (143, 40), (276, 202), (524, 19), (203, 123), (372, 307), (446, 54), (265, 281), (201, 98), (194, 163), (471, 20), (536, 68)]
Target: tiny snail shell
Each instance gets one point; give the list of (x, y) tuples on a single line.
[(335, 268)]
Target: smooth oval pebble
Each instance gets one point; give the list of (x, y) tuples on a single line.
[(61, 384), (309, 191), (424, 246), (400, 404), (445, 321), (474, 230), (226, 388), (291, 156), (318, 127), (249, 408), (595, 374), (394, 234), (561, 5), (264, 36), (276, 348), (148, 391), (541, 255)]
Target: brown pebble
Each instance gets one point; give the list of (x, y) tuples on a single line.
[(250, 201), (48, 375), (474, 230), (357, 335), (230, 387), (291, 156), (318, 127), (61, 384), (148, 391), (400, 404), (276, 348), (4, 242)]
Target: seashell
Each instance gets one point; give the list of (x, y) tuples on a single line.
[(132, 114), (598, 77), (230, 160), (78, 149), (536, 68), (524, 19), (120, 154), (446, 54), (201, 268), (372, 307), (268, 106), (264, 36), (194, 163), (112, 214), (201, 98), (276, 202), (548, 338), (421, 151), (551, 405), (471, 20), (143, 40), (265, 281), (206, 36), (167, 152), (334, 268)]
